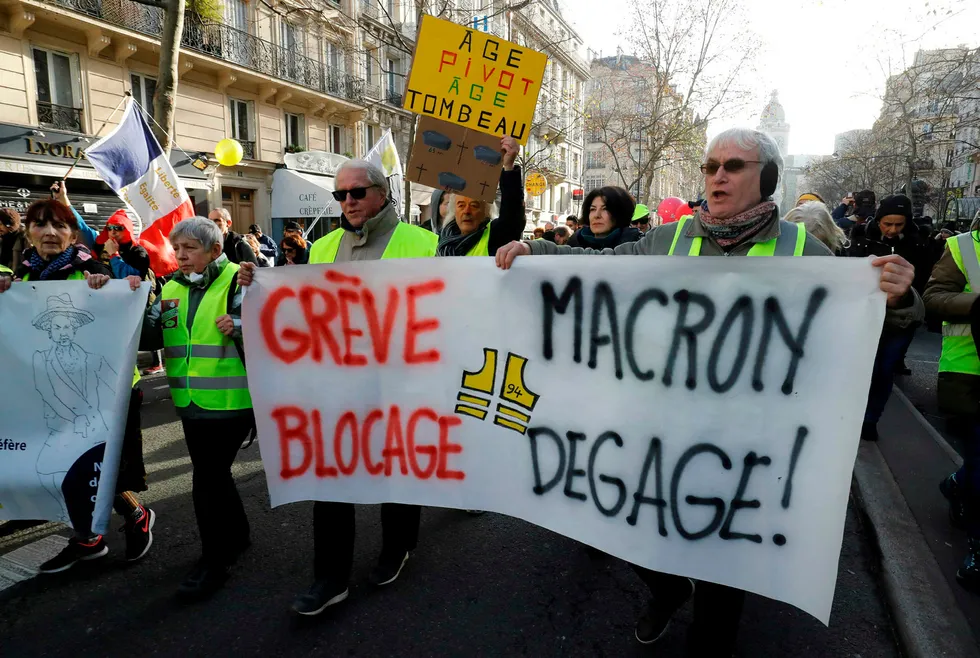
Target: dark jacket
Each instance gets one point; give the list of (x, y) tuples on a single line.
[(237, 249), (867, 240), (510, 222), (268, 247)]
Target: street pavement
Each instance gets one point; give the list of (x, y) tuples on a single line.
[(488, 585)]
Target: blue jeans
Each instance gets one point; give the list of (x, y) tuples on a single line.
[(891, 351)]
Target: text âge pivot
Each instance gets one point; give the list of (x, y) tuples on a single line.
[(484, 83)]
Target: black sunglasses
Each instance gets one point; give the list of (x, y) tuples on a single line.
[(115, 229), (731, 166), (355, 193)]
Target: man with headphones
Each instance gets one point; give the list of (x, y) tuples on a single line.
[(737, 218)]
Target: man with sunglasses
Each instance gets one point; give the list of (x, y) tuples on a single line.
[(370, 230), (737, 218)]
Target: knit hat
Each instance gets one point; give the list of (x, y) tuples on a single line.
[(897, 204)]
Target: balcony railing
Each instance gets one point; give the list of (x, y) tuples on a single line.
[(372, 91), (59, 117), (370, 8), (248, 150), (555, 165), (393, 97), (226, 43)]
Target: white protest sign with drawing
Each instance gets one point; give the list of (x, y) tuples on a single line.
[(67, 354), (697, 416)]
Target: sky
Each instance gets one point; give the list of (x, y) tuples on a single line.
[(822, 56)]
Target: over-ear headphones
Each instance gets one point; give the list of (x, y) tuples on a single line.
[(768, 180)]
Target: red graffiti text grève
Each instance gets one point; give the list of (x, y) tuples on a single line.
[(335, 319)]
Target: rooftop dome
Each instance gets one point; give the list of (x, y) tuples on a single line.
[(774, 112)]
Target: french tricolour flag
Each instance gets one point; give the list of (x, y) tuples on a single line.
[(131, 162)]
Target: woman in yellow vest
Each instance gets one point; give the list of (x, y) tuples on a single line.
[(471, 232), (952, 295), (196, 322), (53, 231)]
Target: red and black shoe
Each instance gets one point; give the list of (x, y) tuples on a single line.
[(139, 534), (76, 551)]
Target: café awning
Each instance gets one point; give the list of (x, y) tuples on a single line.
[(301, 195)]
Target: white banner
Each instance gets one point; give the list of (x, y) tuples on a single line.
[(698, 416), (67, 355), (384, 155)]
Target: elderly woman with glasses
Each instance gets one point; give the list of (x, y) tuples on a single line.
[(737, 218), (196, 320)]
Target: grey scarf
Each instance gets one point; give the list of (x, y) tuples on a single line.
[(452, 242)]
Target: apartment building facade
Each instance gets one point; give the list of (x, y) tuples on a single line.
[(321, 79)]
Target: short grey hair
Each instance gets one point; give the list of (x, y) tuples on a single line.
[(374, 174), (488, 208), (818, 222), (746, 139), (201, 229), (223, 212)]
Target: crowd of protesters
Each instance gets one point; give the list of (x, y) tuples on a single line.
[(202, 340)]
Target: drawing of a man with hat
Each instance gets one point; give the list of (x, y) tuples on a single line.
[(72, 383)]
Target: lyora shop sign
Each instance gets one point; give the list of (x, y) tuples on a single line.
[(703, 425)]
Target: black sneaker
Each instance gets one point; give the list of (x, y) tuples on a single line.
[(869, 432), (76, 551), (950, 488), (655, 620), (388, 569), (321, 596), (968, 575), (202, 582), (139, 534)]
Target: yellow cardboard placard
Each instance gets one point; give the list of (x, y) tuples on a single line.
[(474, 79)]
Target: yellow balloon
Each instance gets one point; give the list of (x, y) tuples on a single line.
[(228, 152)]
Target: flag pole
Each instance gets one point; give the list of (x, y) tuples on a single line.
[(101, 128)]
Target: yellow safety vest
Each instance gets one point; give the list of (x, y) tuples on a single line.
[(78, 276), (407, 241), (789, 242), (204, 366), (5, 270), (959, 351), (481, 248)]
